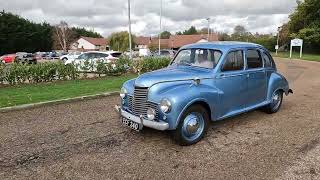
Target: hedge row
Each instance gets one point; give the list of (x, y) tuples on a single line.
[(54, 71)]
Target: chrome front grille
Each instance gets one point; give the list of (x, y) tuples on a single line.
[(138, 104)]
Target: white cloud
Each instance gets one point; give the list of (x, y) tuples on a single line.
[(107, 16)]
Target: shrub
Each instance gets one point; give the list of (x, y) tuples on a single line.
[(2, 72), (120, 66), (150, 64), (47, 72), (35, 73)]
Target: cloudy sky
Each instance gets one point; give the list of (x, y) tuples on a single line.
[(107, 16)]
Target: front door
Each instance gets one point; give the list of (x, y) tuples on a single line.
[(232, 81), (257, 81)]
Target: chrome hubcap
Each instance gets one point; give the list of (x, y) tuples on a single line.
[(276, 100), (193, 126)]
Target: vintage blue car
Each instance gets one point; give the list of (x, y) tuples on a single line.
[(204, 81)]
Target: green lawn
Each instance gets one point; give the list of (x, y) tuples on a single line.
[(296, 55), (33, 93)]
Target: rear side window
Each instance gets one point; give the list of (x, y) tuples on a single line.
[(254, 59), (267, 60), (234, 61)]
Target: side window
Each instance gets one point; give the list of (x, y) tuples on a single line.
[(91, 55), (234, 61), (102, 55), (254, 59), (267, 60)]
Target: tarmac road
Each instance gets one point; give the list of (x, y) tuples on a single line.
[(85, 140)]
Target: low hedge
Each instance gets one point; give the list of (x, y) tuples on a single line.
[(53, 71)]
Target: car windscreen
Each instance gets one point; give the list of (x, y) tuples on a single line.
[(205, 58)]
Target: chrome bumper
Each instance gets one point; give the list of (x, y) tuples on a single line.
[(161, 125)]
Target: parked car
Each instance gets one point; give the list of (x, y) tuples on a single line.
[(8, 58), (165, 53), (71, 56), (51, 55), (25, 58), (93, 57), (205, 81), (40, 55)]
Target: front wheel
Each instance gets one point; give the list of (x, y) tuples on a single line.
[(193, 125), (276, 102)]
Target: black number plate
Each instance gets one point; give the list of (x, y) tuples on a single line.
[(131, 124)]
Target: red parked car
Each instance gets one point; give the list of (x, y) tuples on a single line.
[(9, 58)]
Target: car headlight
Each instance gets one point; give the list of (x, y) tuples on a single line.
[(151, 114), (165, 105), (123, 92)]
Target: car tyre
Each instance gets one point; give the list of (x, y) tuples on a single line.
[(276, 103), (192, 126)]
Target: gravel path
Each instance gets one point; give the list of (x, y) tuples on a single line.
[(84, 140)]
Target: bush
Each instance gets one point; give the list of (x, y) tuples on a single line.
[(121, 66), (2, 73), (47, 72), (150, 64), (42, 72)]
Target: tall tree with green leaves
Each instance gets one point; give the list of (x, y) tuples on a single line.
[(190, 31), (165, 35), (119, 41), (18, 34), (84, 32), (305, 24)]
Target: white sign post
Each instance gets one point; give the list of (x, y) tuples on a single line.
[(296, 43)]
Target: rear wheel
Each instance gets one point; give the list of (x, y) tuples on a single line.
[(193, 125), (276, 102)]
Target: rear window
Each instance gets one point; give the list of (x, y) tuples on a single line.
[(115, 54)]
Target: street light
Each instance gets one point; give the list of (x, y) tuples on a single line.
[(160, 26), (208, 19), (129, 23), (279, 29)]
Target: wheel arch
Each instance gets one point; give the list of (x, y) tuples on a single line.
[(201, 102)]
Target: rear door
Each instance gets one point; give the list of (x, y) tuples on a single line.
[(232, 81), (256, 75)]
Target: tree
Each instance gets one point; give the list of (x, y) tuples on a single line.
[(64, 35), (305, 23), (84, 32), (239, 30), (205, 30), (224, 37), (165, 35), (120, 41), (190, 31), (18, 34)]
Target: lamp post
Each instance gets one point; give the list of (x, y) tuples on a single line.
[(279, 28), (208, 19), (160, 26), (129, 23)]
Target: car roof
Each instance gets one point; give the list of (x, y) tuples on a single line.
[(103, 52), (223, 45)]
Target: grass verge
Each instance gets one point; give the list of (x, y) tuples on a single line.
[(296, 55), (34, 93)]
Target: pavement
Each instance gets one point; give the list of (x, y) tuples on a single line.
[(85, 140)]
